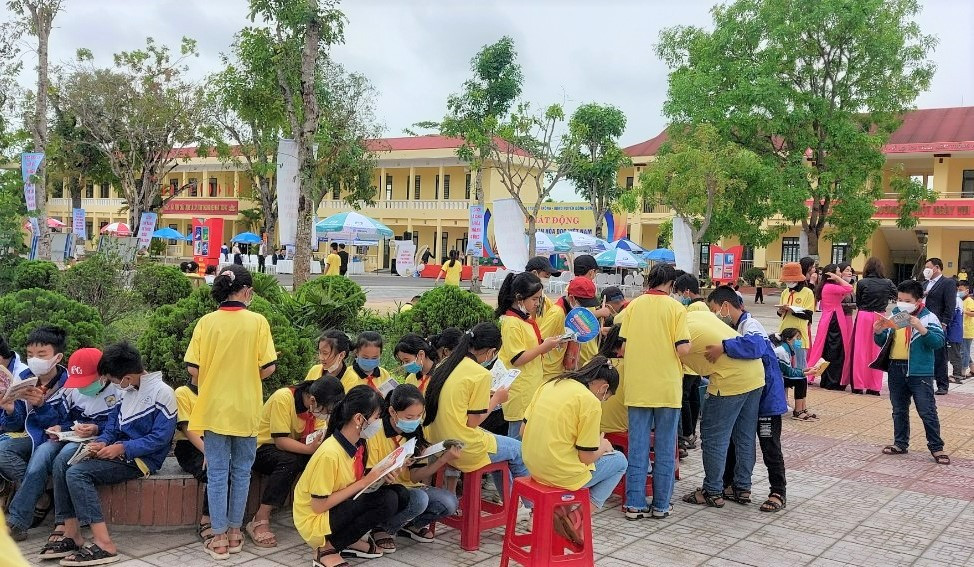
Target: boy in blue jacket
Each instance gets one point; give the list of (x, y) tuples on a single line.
[(754, 344), (134, 444), (912, 356)]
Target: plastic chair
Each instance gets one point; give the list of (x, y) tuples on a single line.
[(477, 515), (542, 546)]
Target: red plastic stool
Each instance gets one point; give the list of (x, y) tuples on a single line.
[(542, 546), (478, 515), (621, 441)]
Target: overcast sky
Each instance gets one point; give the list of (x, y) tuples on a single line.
[(417, 52)]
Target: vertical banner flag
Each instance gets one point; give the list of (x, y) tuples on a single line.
[(29, 164), (314, 232), (78, 224), (725, 264), (147, 225), (405, 258), (512, 247), (35, 238), (683, 244), (475, 238), (287, 191), (30, 196)]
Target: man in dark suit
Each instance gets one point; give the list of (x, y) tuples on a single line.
[(940, 297)]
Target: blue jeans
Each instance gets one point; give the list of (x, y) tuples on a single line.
[(426, 505), (14, 454), (965, 354), (727, 418), (39, 467), (228, 462), (509, 450), (641, 422), (514, 429), (608, 471), (75, 492), (59, 468), (919, 389)]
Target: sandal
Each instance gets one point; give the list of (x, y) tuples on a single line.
[(41, 512), (322, 553), (386, 542), (893, 450), (701, 497), (941, 458), (803, 415), (204, 530), (265, 538), (213, 546), (736, 495), (774, 503), (373, 553), (565, 521), (235, 542), (90, 554), (422, 535), (58, 548)]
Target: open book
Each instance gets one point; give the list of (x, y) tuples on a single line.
[(82, 454), (794, 309), (70, 435), (386, 387), (397, 458), (16, 388), (502, 377), (437, 449), (314, 436), (897, 320)]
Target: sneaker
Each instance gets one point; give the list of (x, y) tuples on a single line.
[(660, 514), (941, 392), (16, 534), (636, 513)]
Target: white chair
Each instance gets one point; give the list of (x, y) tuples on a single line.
[(627, 284), (559, 284), (488, 282), (615, 279), (638, 281)]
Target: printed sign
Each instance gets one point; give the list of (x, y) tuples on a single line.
[(30, 196), (147, 225), (725, 264), (405, 258), (475, 240), (78, 224)]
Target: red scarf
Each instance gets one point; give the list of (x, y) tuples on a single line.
[(422, 383), (655, 292), (908, 330), (359, 464), (529, 320), (306, 417)]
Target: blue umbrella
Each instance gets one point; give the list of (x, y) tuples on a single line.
[(619, 258), (353, 223), (168, 233), (661, 255), (247, 238), (629, 245)]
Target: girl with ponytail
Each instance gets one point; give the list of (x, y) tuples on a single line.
[(418, 358), (615, 415)]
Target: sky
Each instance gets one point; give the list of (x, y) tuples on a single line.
[(417, 52)]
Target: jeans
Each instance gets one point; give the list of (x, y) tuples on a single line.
[(726, 419), (940, 368), (39, 467), (228, 463), (641, 421), (965, 354), (508, 450), (190, 459), (75, 495), (608, 471), (919, 389), (956, 358), (426, 505), (514, 429), (690, 411), (14, 454), (769, 435)]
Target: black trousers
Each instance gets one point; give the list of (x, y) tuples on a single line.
[(352, 519), (690, 409), (769, 435), (190, 459), (940, 368), (282, 468), (495, 423), (800, 385), (759, 295), (260, 264)]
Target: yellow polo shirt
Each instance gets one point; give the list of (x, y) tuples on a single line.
[(562, 419), (354, 377), (452, 274), (728, 376), (381, 444), (900, 350), (465, 392), (804, 299), (331, 468), (230, 346), (421, 381), (968, 319), (695, 306), (8, 548), (552, 324), (334, 265), (653, 325), (185, 401), (615, 414), (518, 336), (279, 418)]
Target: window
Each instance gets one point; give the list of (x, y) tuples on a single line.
[(445, 244), (789, 249), (192, 187), (173, 185), (436, 187), (967, 186), (172, 242), (89, 190), (704, 259), (102, 225), (629, 182), (446, 186), (214, 187), (388, 187), (467, 190), (840, 252), (88, 227), (416, 188), (965, 257)]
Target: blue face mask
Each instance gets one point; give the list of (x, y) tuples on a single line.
[(367, 364), (408, 425), (91, 389), (798, 343), (685, 300), (412, 367), (488, 363)]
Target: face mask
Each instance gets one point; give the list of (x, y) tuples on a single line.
[(412, 367), (686, 300), (961, 295), (91, 389), (371, 429), (367, 364), (489, 362), (927, 273), (322, 415), (798, 343), (603, 395), (726, 318), (41, 366), (792, 285), (408, 425), (906, 306)]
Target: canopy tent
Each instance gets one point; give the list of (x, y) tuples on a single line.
[(246, 238), (545, 246), (575, 241), (628, 245), (353, 223), (51, 223), (168, 234)]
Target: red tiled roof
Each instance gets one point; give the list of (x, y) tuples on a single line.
[(647, 148), (406, 143)]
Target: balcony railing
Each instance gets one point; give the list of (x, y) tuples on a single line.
[(87, 203), (944, 195), (401, 204)]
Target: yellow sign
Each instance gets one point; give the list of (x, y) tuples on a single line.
[(555, 218)]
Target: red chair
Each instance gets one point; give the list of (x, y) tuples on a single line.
[(477, 515), (621, 442), (542, 546)]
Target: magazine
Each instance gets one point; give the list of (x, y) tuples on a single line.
[(69, 436), (314, 436), (82, 454), (818, 368), (397, 458), (17, 388), (437, 449), (899, 320), (502, 377), (386, 387)]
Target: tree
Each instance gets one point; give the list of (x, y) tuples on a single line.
[(136, 113), (36, 18), (73, 155), (593, 156), (814, 88), (717, 187)]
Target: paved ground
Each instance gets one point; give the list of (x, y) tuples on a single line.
[(847, 505)]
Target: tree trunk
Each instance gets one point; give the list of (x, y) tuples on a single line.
[(599, 219), (811, 234), (532, 237), (42, 23), (475, 271), (302, 248), (695, 257), (74, 186), (307, 201), (267, 204)]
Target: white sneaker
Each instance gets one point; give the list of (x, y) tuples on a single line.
[(523, 514)]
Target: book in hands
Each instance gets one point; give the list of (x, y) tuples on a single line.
[(818, 368), (82, 454), (315, 436), (899, 320), (501, 377), (386, 387), (16, 389), (70, 436), (391, 462), (439, 448)]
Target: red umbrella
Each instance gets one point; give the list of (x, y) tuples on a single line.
[(117, 228), (51, 223)]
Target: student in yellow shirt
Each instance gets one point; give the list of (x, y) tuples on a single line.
[(288, 417), (8, 548), (402, 419), (333, 349), (687, 289), (615, 415), (452, 270), (366, 370), (325, 513), (188, 449), (230, 354), (334, 262), (522, 345), (568, 355), (655, 327), (798, 295), (445, 341), (964, 292), (418, 358)]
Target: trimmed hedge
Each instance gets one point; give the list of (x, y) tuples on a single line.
[(25, 310)]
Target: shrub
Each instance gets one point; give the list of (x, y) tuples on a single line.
[(446, 306), (752, 275), (324, 303), (160, 285), (129, 327), (267, 286), (8, 273), (39, 274), (99, 282), (164, 343), (25, 310)]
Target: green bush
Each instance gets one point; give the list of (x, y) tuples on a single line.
[(130, 327), (99, 282), (163, 344), (25, 310), (324, 303), (160, 285), (446, 306), (752, 275), (39, 274), (8, 273), (267, 286)]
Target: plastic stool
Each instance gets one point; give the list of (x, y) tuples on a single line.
[(621, 441), (478, 515), (542, 546)]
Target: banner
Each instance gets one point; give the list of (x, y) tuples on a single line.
[(725, 265), (147, 225), (314, 232), (683, 244), (30, 163), (30, 196), (287, 191), (512, 247), (35, 232), (78, 226), (405, 258), (475, 237)]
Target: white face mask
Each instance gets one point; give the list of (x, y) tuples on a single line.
[(906, 306), (371, 429), (41, 366), (927, 273), (792, 285)]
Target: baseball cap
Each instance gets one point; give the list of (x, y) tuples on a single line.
[(541, 264), (83, 367), (583, 290), (585, 264), (613, 293)]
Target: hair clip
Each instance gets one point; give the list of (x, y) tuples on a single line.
[(229, 274), (469, 334)]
